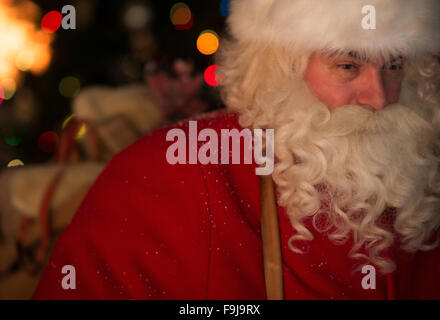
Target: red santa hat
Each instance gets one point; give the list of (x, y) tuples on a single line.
[(403, 27)]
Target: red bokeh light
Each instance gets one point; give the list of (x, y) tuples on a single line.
[(51, 21), (48, 141), (185, 26), (211, 76)]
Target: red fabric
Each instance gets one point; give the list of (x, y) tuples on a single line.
[(150, 230)]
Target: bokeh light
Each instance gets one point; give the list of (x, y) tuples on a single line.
[(13, 141), (51, 21), (137, 16), (69, 86), (67, 120), (2, 94), (207, 42), (210, 75), (48, 141), (24, 60), (21, 40), (181, 16), (15, 163), (81, 132), (224, 8), (9, 86)]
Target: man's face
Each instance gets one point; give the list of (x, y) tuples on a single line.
[(345, 79)]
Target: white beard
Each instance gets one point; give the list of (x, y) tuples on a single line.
[(352, 160), (349, 165)]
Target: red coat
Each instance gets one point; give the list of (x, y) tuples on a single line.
[(151, 230)]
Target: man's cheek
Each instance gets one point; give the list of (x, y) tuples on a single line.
[(339, 96), (393, 93)]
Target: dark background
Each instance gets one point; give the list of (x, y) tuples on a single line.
[(103, 50)]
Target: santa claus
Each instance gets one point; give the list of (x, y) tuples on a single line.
[(356, 117)]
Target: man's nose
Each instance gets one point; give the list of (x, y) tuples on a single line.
[(371, 91)]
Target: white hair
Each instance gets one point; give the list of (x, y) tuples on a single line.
[(342, 169)]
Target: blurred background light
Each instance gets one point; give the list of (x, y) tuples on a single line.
[(9, 87), (113, 45), (81, 132), (67, 120), (69, 86), (207, 42), (181, 16), (224, 8), (137, 16), (24, 60), (15, 163), (210, 75), (21, 40), (51, 21), (48, 141), (13, 141)]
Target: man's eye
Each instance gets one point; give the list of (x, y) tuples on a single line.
[(347, 66), (393, 67)]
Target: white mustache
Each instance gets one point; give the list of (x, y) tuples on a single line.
[(353, 119)]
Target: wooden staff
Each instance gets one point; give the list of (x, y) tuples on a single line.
[(273, 263)]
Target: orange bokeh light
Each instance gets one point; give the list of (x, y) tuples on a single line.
[(207, 42), (23, 47)]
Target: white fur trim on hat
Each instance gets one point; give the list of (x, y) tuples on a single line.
[(403, 27)]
